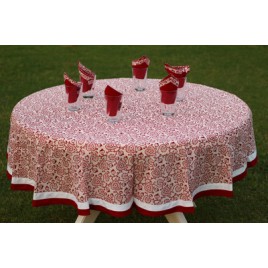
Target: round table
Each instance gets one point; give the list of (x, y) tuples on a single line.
[(159, 164)]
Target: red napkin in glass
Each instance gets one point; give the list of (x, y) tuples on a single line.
[(86, 76), (86, 81), (178, 71), (72, 88), (114, 100), (168, 87), (140, 67), (85, 70)]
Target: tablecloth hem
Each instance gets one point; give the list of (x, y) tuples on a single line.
[(80, 212), (86, 212), (164, 212), (250, 164)]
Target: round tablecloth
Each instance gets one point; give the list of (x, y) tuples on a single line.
[(160, 164)]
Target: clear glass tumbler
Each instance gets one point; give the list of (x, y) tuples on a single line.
[(168, 102), (113, 107), (181, 89), (139, 78), (73, 93), (168, 109), (88, 90)]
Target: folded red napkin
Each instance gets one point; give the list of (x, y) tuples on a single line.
[(87, 82), (178, 71), (114, 100), (72, 88), (86, 76), (169, 83), (140, 66), (142, 62), (168, 87), (69, 82), (85, 70)]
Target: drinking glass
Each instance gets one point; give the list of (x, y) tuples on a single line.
[(88, 91), (168, 102), (140, 78), (113, 107), (181, 89), (73, 99)]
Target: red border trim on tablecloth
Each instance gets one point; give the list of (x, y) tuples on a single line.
[(86, 212), (164, 212), (224, 192), (81, 212), (217, 192)]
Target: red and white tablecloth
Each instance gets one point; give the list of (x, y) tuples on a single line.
[(159, 164)]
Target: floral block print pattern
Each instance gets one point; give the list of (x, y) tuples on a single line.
[(159, 164)]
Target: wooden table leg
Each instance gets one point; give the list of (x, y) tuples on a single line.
[(176, 217), (88, 219)]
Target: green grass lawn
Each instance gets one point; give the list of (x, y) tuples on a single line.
[(242, 70)]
